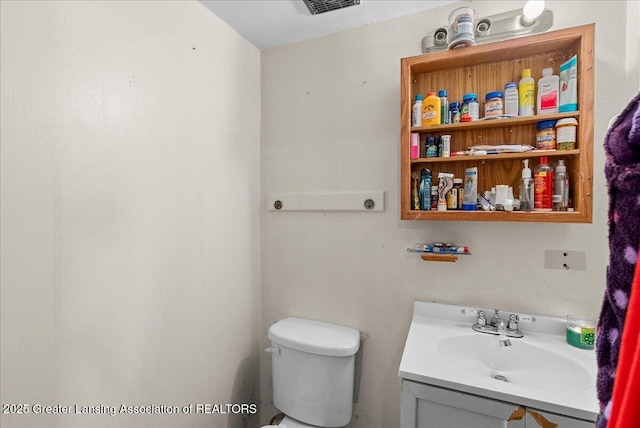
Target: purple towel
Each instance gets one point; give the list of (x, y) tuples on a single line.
[(622, 170)]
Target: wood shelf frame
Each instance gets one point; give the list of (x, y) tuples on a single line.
[(487, 68)]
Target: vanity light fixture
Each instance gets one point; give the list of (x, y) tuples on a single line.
[(532, 19)]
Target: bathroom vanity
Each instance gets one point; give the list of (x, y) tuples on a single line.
[(455, 377)]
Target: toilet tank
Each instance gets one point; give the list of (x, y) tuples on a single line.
[(313, 370)]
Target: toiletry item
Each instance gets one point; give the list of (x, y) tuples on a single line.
[(511, 99), (415, 145), (461, 28), (546, 135), (560, 197), (548, 92), (526, 188), (569, 85), (416, 111), (581, 331), (526, 94), (501, 196), (430, 147), (446, 146), (452, 195), (543, 186), (431, 110), (444, 185), (444, 107), (459, 191), (494, 104), (454, 112), (438, 247), (566, 133), (434, 197), (470, 109), (492, 196), (485, 204), (470, 201), (425, 189), (415, 175)]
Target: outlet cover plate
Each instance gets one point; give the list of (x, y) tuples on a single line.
[(566, 260)]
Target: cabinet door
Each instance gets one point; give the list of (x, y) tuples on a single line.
[(560, 421), (425, 406)]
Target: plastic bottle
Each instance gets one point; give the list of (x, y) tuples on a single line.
[(548, 92), (561, 187), (430, 147), (526, 188), (416, 112), (526, 94), (511, 99), (470, 109), (543, 186), (425, 189), (454, 112), (444, 106), (431, 110)]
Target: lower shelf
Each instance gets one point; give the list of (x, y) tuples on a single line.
[(533, 216)]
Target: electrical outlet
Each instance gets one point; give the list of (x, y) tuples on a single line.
[(567, 260)]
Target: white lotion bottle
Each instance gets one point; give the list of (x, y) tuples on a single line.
[(416, 111), (548, 92)]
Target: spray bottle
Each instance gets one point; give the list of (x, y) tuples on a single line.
[(526, 188), (543, 186)]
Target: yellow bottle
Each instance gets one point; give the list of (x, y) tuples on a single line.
[(526, 94), (431, 110)]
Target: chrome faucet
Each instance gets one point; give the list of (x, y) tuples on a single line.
[(497, 325)]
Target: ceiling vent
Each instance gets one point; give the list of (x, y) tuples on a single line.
[(322, 6)]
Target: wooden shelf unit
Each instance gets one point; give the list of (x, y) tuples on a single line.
[(486, 68)]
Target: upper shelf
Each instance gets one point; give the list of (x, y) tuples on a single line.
[(501, 156), (495, 123)]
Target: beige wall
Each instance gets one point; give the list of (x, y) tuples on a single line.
[(330, 122), (130, 183)]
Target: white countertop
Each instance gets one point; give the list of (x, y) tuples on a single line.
[(543, 371)]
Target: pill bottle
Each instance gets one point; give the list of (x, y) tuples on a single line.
[(511, 99), (454, 112), (566, 133), (430, 147), (494, 104), (434, 197), (470, 110), (546, 135)]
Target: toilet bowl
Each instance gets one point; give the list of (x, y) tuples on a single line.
[(313, 365)]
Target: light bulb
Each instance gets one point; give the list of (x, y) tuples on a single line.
[(532, 10)]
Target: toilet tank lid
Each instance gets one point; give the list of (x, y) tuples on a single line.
[(315, 337)]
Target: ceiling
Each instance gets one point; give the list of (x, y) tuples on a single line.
[(271, 23)]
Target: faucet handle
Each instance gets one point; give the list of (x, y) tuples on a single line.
[(482, 320), (513, 322)]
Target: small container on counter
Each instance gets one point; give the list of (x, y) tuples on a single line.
[(581, 331), (494, 104), (566, 133), (546, 135)]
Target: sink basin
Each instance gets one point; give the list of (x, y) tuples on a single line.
[(540, 370), (521, 364)]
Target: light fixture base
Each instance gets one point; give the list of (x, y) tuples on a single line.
[(502, 26)]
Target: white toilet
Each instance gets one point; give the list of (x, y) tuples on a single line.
[(313, 370)]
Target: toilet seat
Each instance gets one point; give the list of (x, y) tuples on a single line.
[(288, 422)]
